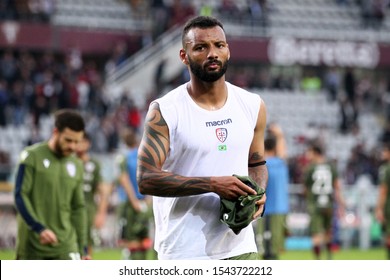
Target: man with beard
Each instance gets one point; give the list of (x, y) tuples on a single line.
[(49, 195), (195, 138)]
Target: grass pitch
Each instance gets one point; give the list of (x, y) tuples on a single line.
[(350, 254)]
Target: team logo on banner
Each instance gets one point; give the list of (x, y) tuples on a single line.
[(221, 134), (71, 168), (10, 31)]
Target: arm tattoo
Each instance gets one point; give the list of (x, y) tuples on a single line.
[(256, 157), (259, 173), (154, 149), (153, 139)]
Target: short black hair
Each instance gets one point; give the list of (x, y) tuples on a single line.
[(316, 148), (202, 22), (69, 118), (270, 143), (87, 136), (129, 136)]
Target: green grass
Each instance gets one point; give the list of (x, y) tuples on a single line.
[(350, 254), (99, 254)]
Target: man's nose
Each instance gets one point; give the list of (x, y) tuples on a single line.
[(213, 53)]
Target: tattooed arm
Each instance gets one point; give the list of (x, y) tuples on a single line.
[(152, 180), (256, 154)]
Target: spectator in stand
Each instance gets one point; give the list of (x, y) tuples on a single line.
[(385, 135), (373, 12), (379, 8), (261, 79), (258, 12), (17, 103), (348, 105), (332, 83), (311, 82), (228, 10), (3, 102), (241, 76), (360, 162), (180, 11), (118, 56), (8, 10), (5, 166), (160, 18), (134, 116), (34, 137), (8, 66), (41, 10), (205, 9), (159, 75)]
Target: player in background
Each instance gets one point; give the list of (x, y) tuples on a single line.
[(382, 210), (322, 189), (49, 195), (134, 210), (96, 192), (271, 230)]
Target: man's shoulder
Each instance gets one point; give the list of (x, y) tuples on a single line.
[(92, 165), (37, 147), (173, 96), (243, 94), (34, 151), (240, 89)]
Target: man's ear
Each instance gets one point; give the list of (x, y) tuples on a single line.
[(183, 56)]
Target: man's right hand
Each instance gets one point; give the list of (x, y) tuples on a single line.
[(230, 187), (47, 236)]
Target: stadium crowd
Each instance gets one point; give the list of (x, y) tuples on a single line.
[(33, 85)]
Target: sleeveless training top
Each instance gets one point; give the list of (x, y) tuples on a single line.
[(204, 143)]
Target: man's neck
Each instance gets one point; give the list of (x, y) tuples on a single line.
[(210, 96)]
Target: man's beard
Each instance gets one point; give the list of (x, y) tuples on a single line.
[(59, 150), (206, 76)]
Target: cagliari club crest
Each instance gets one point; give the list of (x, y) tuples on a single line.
[(221, 134), (71, 168)]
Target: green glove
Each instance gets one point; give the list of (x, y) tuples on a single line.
[(238, 214)]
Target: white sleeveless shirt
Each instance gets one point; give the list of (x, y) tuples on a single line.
[(204, 143)]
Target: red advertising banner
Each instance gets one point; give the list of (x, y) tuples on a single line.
[(277, 50), (42, 36)]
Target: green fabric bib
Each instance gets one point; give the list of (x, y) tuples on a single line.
[(238, 214)]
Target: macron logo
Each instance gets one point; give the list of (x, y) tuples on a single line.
[(218, 123)]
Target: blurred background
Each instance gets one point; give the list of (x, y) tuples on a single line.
[(322, 67)]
